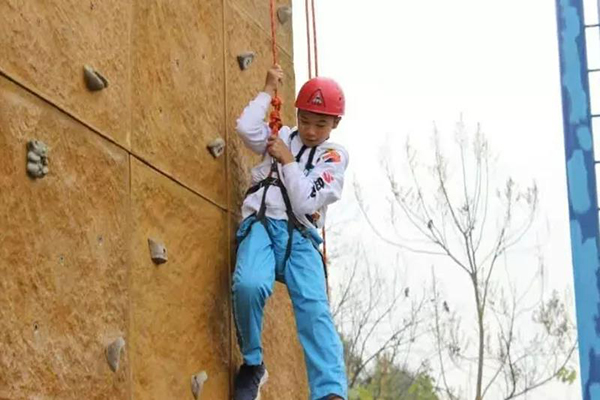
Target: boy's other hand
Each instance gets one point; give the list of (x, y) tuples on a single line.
[(279, 151), (274, 79)]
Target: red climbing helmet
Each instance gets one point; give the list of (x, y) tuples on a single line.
[(321, 96)]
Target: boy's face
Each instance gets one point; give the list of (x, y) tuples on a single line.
[(314, 128)]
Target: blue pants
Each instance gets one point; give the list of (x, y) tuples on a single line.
[(260, 261)]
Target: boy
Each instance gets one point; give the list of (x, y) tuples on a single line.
[(278, 238)]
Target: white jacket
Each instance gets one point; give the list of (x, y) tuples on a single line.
[(311, 191)]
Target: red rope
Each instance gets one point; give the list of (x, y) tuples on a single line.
[(314, 26), (275, 116), (314, 20), (273, 33), (308, 44), (308, 11)]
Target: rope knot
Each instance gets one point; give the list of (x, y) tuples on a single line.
[(275, 116)]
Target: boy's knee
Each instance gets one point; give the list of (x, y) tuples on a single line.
[(314, 314), (251, 290)]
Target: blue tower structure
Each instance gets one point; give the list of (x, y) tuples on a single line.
[(581, 179)]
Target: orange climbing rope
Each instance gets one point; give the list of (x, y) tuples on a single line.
[(275, 116)]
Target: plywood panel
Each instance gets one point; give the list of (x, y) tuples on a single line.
[(180, 309), (63, 256), (45, 45), (258, 11), (178, 90)]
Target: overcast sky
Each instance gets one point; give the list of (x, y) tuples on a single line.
[(406, 65)]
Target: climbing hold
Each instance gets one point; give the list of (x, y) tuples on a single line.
[(158, 252), (93, 79), (216, 147), (34, 170), (113, 353), (284, 14), (197, 383), (245, 59), (37, 159), (33, 157)]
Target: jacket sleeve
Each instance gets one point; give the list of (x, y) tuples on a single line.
[(321, 187), (251, 125)]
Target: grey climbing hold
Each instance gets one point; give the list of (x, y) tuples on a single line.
[(284, 14), (245, 59), (113, 353), (37, 159), (34, 170), (198, 382), (158, 251), (216, 147), (93, 79), (34, 158), (39, 150)]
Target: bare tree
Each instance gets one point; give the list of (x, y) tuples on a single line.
[(455, 214), (374, 313)]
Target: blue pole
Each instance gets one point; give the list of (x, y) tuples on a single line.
[(581, 181)]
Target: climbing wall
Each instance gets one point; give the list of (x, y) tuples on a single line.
[(125, 164)]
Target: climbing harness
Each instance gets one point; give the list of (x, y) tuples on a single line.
[(274, 179)]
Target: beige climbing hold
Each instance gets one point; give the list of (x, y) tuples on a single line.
[(93, 79), (284, 14), (216, 147), (245, 59), (158, 251), (37, 159), (113, 353), (198, 383)]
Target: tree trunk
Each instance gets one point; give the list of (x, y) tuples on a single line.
[(480, 356)]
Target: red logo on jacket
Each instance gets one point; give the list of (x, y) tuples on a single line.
[(332, 156)]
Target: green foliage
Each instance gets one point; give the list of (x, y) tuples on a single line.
[(388, 381), (567, 375)]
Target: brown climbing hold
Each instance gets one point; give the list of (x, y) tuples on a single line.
[(216, 147), (93, 79), (158, 251), (245, 59), (113, 353), (284, 14), (198, 383)]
